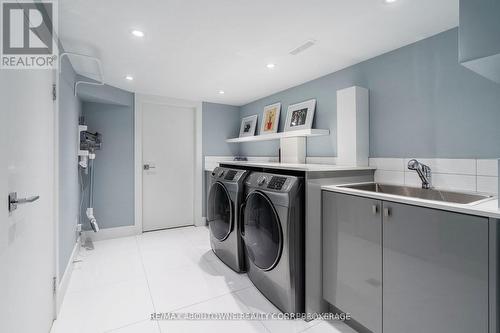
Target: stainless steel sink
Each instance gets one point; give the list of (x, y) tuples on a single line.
[(420, 193)]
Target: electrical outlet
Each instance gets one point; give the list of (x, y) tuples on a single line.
[(78, 228)]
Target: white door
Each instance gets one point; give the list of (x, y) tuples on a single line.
[(168, 157), (27, 242)]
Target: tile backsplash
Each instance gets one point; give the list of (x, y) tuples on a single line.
[(479, 175)]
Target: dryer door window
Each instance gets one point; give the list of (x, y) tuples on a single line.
[(219, 212), (261, 231)]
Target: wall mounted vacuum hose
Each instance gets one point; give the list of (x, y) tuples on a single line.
[(92, 219), (88, 143), (90, 210)]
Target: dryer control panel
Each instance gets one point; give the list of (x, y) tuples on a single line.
[(276, 183), (271, 182)]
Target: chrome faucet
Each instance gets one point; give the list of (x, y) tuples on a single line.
[(423, 171)]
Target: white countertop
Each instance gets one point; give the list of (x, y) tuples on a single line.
[(487, 208), (296, 167)]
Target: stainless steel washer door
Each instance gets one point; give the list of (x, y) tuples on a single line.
[(261, 231), (220, 211)]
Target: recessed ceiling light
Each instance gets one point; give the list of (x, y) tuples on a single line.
[(129, 77), (221, 92), (137, 33), (270, 66), (390, 1)]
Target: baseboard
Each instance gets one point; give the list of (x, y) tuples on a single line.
[(110, 233), (64, 280), (203, 222)]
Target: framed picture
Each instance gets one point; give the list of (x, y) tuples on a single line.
[(248, 125), (270, 119), (300, 116)]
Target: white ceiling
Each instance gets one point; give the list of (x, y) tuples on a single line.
[(194, 48)]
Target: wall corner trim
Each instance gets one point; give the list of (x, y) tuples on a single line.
[(63, 281)]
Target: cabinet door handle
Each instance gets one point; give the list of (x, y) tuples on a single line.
[(374, 209), (387, 212)]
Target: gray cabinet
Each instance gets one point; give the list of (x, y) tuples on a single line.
[(435, 267), (479, 37), (414, 269), (352, 257)]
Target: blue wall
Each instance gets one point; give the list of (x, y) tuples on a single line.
[(479, 29), (114, 168), (422, 103), (220, 122), (109, 110), (69, 192), (114, 164)]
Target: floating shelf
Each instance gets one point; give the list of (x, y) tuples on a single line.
[(281, 135)]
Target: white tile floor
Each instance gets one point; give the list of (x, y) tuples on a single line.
[(116, 286)]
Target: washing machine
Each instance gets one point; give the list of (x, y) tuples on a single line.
[(223, 207), (273, 236)]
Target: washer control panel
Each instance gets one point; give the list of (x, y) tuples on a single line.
[(230, 174), (227, 174)]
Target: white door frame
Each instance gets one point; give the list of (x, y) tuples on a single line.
[(58, 294), (140, 99)]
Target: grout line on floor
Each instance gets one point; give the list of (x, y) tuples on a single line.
[(147, 280), (220, 296), (210, 299), (309, 327), (127, 325), (264, 326), (145, 274), (196, 237), (205, 260)]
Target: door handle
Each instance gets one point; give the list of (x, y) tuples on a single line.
[(14, 201), (387, 212), (147, 167), (374, 209)]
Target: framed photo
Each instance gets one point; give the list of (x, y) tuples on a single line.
[(300, 116), (270, 119), (248, 125)]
